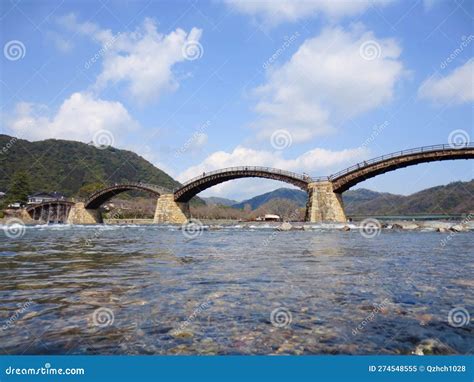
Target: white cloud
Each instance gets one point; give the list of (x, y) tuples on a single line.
[(331, 78), (143, 59), (274, 12), (456, 87), (314, 162), (78, 118), (428, 5)]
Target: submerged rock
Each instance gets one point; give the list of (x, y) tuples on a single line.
[(432, 346), (284, 227), (182, 334), (405, 225), (457, 228), (345, 228)]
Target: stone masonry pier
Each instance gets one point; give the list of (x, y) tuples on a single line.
[(170, 211)]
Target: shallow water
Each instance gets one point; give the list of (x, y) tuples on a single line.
[(155, 290)]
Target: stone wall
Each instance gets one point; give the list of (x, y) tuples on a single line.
[(169, 211), (80, 215), (324, 205)]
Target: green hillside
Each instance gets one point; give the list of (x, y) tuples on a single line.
[(66, 166)]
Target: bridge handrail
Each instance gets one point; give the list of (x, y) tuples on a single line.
[(305, 178), (137, 184), (382, 158)]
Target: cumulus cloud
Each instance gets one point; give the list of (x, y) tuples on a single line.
[(457, 87), (331, 78), (316, 161), (274, 12), (142, 60), (78, 118)]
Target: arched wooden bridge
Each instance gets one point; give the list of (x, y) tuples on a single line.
[(324, 199), (200, 183), (100, 197), (341, 181), (349, 177), (54, 211)]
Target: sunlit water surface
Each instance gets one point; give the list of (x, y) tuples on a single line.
[(154, 290)]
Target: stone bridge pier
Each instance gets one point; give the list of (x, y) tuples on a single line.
[(79, 214), (324, 205), (171, 212)]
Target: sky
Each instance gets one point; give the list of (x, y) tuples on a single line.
[(195, 86)]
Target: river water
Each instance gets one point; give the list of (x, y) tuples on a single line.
[(236, 290)]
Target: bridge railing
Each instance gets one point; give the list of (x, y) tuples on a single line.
[(134, 184), (395, 154), (290, 174)]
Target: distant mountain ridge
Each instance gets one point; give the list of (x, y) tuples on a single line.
[(216, 201), (297, 196), (454, 197)]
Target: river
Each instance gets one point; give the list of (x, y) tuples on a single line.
[(133, 289)]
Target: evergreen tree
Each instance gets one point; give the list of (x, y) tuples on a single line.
[(20, 188)]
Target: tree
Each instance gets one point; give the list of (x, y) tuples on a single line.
[(89, 188), (286, 209), (19, 188)]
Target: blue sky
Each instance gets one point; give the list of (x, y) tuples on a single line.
[(192, 86)]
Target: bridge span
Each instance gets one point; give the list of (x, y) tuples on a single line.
[(324, 193)]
